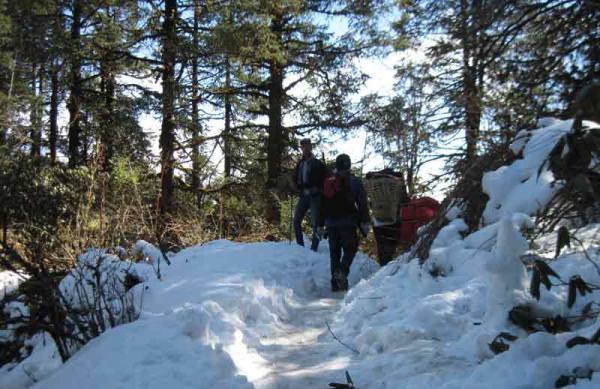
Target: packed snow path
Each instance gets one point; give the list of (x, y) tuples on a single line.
[(296, 353), (304, 354)]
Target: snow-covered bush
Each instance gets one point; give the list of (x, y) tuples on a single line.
[(100, 292)]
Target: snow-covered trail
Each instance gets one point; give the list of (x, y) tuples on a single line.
[(299, 352), (303, 354), (224, 314)]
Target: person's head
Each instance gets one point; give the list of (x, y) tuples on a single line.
[(343, 163), (306, 147)]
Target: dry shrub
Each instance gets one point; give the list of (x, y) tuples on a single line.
[(468, 195)]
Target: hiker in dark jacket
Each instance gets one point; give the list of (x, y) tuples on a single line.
[(308, 178), (344, 209)]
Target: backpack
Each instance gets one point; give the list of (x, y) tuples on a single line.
[(386, 194), (338, 197), (415, 214)]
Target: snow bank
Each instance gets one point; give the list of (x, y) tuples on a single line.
[(9, 281), (147, 252), (522, 186), (431, 325), (156, 352), (99, 272), (43, 361), (205, 320), (414, 329)]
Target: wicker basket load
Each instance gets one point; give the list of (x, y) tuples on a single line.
[(384, 197)]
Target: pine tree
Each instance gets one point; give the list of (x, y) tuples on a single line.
[(288, 47), (75, 84), (167, 132), (6, 71), (476, 50), (557, 56), (403, 127)]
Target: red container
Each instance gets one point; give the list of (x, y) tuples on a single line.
[(417, 213)]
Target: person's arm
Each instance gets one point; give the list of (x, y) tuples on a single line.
[(322, 212), (295, 187)]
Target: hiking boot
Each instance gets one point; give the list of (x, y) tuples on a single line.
[(340, 280), (343, 284), (334, 286)]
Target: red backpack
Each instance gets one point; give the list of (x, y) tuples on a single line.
[(415, 214), (338, 196)]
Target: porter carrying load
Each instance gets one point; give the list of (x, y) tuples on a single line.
[(396, 217)]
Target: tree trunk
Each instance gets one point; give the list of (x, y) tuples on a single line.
[(472, 80), (35, 122), (40, 106), (7, 108), (86, 139), (167, 134), (472, 75), (472, 116), (107, 125), (75, 154), (275, 144), (195, 117), (53, 135), (414, 155), (227, 129)]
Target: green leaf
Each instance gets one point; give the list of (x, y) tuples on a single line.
[(545, 268), (555, 325), (508, 336), (348, 378), (565, 380), (581, 285), (498, 346), (535, 284), (563, 239), (545, 280), (576, 341), (572, 293), (587, 309), (521, 316)]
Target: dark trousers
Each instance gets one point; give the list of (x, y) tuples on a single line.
[(343, 245), (386, 238), (306, 203)]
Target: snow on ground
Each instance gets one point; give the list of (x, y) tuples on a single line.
[(9, 280), (225, 314), (261, 315)]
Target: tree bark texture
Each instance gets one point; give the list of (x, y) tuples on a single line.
[(472, 75), (35, 111), (167, 134), (195, 127), (53, 135), (74, 103), (275, 141), (107, 126), (227, 130)]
